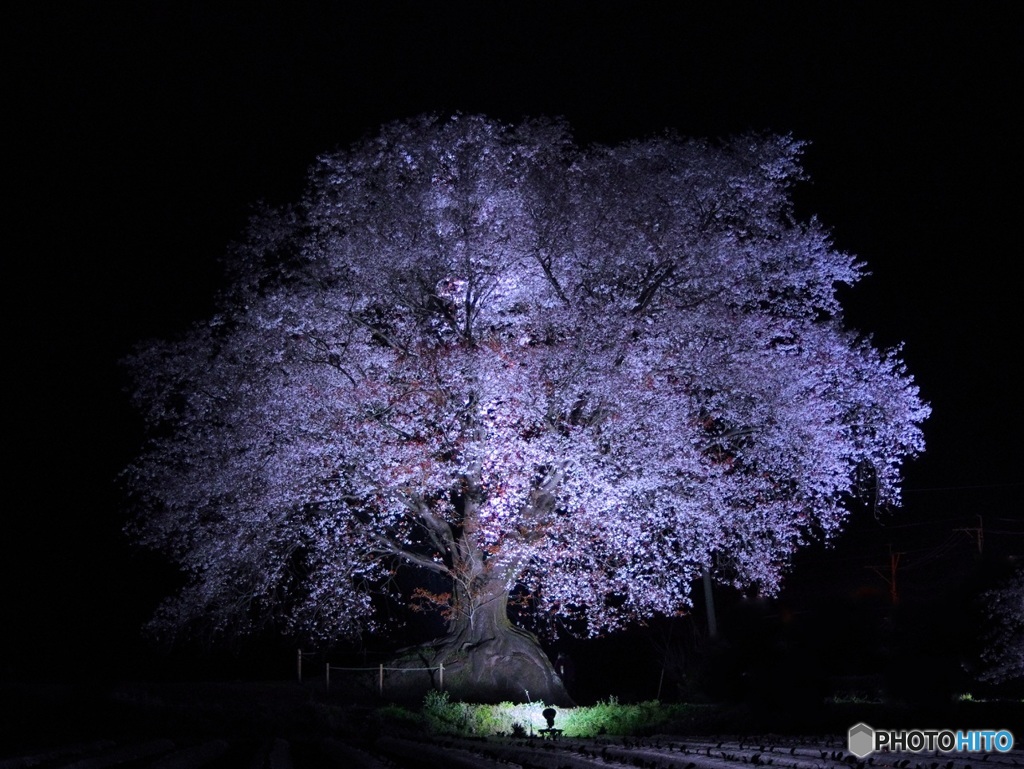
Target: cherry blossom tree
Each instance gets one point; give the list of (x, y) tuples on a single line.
[(1003, 655), (480, 352)]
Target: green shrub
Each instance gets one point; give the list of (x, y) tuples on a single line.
[(443, 716), (611, 717)]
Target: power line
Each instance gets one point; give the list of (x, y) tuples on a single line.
[(957, 488)]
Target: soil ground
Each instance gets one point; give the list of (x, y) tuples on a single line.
[(285, 725)]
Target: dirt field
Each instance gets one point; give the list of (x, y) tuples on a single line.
[(288, 726)]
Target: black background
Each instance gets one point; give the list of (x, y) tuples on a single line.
[(140, 133)]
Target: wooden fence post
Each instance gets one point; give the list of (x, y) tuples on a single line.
[(298, 666), (441, 664), (381, 680), (327, 675)]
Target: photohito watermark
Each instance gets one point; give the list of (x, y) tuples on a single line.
[(863, 739)]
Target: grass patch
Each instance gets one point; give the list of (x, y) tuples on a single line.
[(442, 716)]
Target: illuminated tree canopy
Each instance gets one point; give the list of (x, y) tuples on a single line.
[(483, 352)]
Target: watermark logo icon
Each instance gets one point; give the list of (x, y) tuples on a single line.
[(862, 739)]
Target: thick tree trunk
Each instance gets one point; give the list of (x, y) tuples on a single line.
[(486, 658)]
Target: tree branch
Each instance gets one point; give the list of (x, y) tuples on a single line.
[(381, 336), (386, 547), (737, 433), (647, 294), (440, 533)]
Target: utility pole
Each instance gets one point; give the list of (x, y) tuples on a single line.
[(979, 534), (888, 574)]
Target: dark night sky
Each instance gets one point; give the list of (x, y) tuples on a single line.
[(140, 133)]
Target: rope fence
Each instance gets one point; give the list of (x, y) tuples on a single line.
[(380, 674), (328, 667)]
